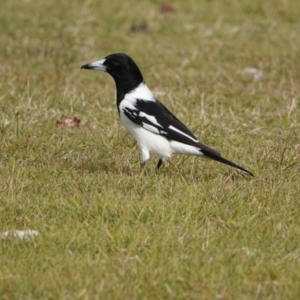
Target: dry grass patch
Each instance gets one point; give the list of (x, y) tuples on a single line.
[(107, 231)]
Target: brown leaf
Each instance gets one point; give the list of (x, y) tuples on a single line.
[(68, 122)]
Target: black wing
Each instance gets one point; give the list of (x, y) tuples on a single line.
[(155, 117)]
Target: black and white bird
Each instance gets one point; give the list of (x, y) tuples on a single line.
[(152, 125)]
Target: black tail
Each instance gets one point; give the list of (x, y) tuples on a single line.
[(214, 155)]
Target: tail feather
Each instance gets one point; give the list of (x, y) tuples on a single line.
[(216, 156)]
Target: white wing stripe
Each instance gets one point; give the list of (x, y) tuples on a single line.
[(188, 136), (152, 119)]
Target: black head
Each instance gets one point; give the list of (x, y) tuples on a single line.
[(122, 68)]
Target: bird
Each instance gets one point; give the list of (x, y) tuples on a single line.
[(152, 125)]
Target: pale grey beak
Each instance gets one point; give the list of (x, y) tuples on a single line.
[(96, 65)]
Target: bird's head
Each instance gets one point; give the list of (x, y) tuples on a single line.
[(119, 65), (123, 69)]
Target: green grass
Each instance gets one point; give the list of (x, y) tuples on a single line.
[(196, 230)]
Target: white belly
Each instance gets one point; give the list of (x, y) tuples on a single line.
[(147, 140)]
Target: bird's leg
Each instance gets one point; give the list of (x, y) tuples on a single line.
[(145, 156), (159, 164), (143, 163)]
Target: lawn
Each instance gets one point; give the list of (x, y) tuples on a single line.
[(197, 229)]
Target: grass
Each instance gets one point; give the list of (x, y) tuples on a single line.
[(196, 230)]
